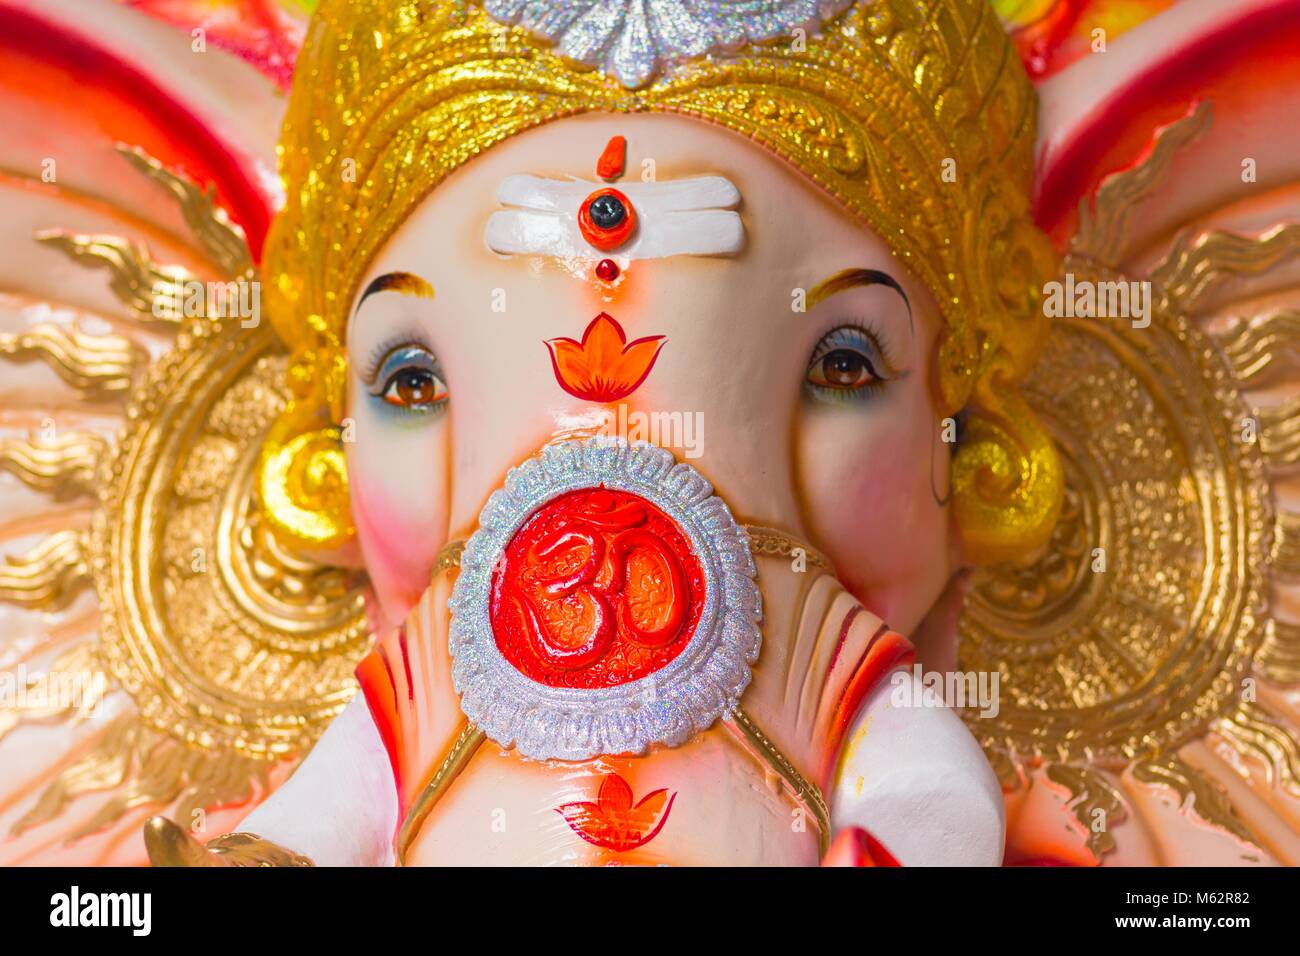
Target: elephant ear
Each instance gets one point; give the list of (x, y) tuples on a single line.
[(1149, 656), (159, 651)]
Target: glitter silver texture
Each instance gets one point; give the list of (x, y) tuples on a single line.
[(688, 694), (633, 40)]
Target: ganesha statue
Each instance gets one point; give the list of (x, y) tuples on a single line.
[(851, 432)]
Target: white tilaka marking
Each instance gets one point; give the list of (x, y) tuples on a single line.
[(682, 217)]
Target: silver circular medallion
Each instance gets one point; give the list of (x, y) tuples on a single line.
[(684, 696)]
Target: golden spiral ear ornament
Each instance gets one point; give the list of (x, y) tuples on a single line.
[(1007, 479), (302, 474), (304, 486)]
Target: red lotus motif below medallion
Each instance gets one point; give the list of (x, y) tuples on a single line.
[(613, 822)]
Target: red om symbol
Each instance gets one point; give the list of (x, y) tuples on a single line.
[(600, 581)]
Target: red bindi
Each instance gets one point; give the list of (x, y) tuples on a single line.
[(607, 270)]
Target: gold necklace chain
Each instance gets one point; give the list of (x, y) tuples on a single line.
[(804, 791), (462, 749), (777, 544)]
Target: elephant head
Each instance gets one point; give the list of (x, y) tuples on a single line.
[(489, 258)]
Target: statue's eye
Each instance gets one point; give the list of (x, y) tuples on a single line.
[(414, 387), (847, 363), (409, 378), (843, 368)]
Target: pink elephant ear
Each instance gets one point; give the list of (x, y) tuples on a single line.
[(1051, 35), (80, 78), (1098, 115), (1169, 178), (266, 34), (128, 156)]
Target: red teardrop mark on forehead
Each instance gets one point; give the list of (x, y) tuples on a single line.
[(610, 165)]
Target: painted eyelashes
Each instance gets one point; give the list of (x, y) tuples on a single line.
[(685, 217)]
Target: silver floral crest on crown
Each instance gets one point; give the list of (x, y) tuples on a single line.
[(688, 694), (633, 40)]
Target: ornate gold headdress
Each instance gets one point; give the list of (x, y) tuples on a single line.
[(390, 97)]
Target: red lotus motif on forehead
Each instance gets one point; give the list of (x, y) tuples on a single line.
[(604, 366)]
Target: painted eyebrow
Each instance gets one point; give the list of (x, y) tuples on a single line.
[(855, 278), (404, 282)]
